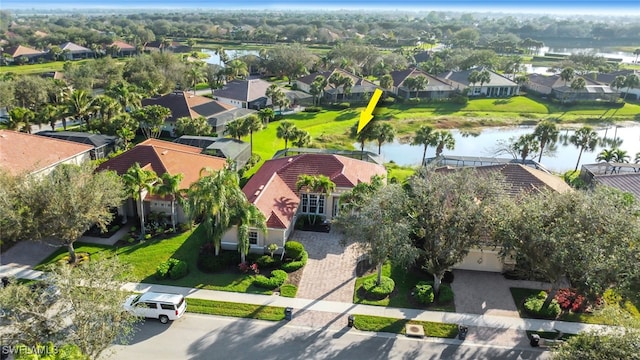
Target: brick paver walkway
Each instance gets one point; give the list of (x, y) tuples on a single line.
[(330, 273)]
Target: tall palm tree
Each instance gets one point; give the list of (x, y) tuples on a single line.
[(386, 81), (636, 52), (584, 139), (286, 131), (302, 138), (170, 186), (80, 105), (620, 156), (631, 81), (195, 75), (252, 123), (246, 216), (424, 137), (618, 82), (273, 92), (235, 129), (420, 83), (50, 114), (443, 139), (127, 95), (237, 68), (382, 132), (567, 75), (546, 133), (410, 84), (473, 78), (139, 181), (20, 119)]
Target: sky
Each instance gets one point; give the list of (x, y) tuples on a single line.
[(564, 7)]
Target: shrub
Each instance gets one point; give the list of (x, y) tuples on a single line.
[(147, 236), (133, 229), (446, 294), (385, 288), (413, 101), (342, 105), (387, 101), (460, 99), (245, 267), (424, 293), (114, 228), (288, 290), (266, 261), (179, 270), (533, 306), (278, 277), (295, 265), (172, 268), (312, 109), (293, 249), (569, 299)]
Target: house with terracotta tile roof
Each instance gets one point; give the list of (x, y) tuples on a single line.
[(72, 51), (119, 49), (517, 180), (435, 88), (20, 51), (273, 190), (245, 94), (22, 153), (182, 103), (162, 157), (359, 90)]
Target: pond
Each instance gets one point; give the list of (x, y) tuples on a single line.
[(486, 142), (626, 57), (232, 54)]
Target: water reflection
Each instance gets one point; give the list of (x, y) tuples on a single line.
[(485, 142)]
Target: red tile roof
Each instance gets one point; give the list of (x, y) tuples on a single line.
[(165, 157), (273, 188), (26, 153), (123, 45)]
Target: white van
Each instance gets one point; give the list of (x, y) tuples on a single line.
[(163, 307)]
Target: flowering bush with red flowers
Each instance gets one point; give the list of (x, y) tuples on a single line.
[(245, 267), (569, 299)]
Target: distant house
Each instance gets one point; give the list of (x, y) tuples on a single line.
[(518, 180), (556, 87), (232, 149), (246, 94), (607, 79), (28, 54), (103, 145), (435, 89), (173, 46), (360, 89), (184, 104), (22, 153), (71, 51), (120, 49), (162, 157), (273, 190), (498, 86)]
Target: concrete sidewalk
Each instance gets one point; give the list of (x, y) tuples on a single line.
[(483, 321)]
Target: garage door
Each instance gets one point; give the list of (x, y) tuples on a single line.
[(487, 260)]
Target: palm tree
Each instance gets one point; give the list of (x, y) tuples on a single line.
[(252, 123), (238, 68), (347, 84), (484, 77), (584, 139), (637, 158), (315, 184), (50, 114), (567, 74), (317, 87), (170, 186), (273, 92), (618, 82), (473, 78), (386, 81), (302, 138), (620, 156), (443, 139), (80, 105), (20, 119), (221, 54), (195, 75), (525, 145), (410, 84), (106, 107), (636, 52), (214, 199), (546, 133), (247, 215), (631, 81), (139, 181), (424, 137), (420, 83), (382, 132), (287, 131), (266, 115), (606, 155), (235, 129), (127, 95)]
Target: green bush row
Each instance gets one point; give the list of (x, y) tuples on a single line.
[(278, 277), (533, 306), (425, 293), (384, 289), (295, 265), (173, 269)]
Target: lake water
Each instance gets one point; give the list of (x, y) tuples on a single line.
[(626, 57), (485, 142), (232, 54)]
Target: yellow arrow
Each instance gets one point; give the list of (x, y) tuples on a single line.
[(367, 114)]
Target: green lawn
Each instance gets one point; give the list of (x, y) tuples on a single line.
[(28, 69), (145, 257), (520, 294), (397, 326), (249, 311), (405, 281)]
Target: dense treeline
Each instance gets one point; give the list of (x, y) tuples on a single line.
[(383, 29)]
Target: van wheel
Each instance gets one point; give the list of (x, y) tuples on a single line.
[(164, 319)]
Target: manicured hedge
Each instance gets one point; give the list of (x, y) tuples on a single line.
[(533, 306), (266, 261), (384, 289), (424, 293), (173, 269), (295, 265), (278, 277), (293, 249)]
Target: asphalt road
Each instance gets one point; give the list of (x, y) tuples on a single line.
[(210, 337)]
